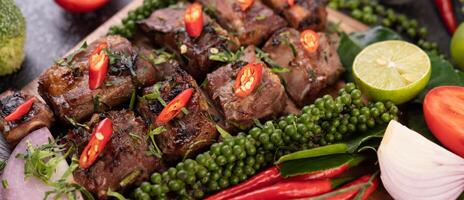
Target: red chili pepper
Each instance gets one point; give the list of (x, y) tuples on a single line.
[(247, 79), (271, 176), (100, 137), (310, 40), (245, 4), (98, 66), (193, 19), (291, 2), (351, 194), (175, 106), (21, 110), (292, 190), (445, 7)]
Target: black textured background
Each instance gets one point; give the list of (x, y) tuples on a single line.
[(51, 32)]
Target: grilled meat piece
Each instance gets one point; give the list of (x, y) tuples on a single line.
[(309, 72), (304, 14), (166, 27), (188, 133), (268, 99), (124, 155), (252, 26), (154, 66), (38, 116), (64, 86)]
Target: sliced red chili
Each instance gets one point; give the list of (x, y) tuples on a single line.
[(98, 66), (193, 19), (245, 4), (21, 110), (291, 2), (175, 106), (310, 40), (101, 135), (247, 79)]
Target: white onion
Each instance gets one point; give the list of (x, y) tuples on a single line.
[(31, 188), (414, 168)]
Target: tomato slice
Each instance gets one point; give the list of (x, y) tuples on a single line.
[(81, 5), (291, 2), (310, 40), (247, 79), (98, 67), (444, 113), (193, 19), (100, 137), (245, 4), (21, 110), (175, 106)]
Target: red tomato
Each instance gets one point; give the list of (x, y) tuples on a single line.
[(79, 6), (444, 114)]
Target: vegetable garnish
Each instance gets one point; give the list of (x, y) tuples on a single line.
[(98, 66), (154, 150), (445, 7), (291, 2), (174, 107), (245, 4), (360, 188), (21, 110), (100, 137), (247, 79), (193, 19), (310, 40), (444, 113)]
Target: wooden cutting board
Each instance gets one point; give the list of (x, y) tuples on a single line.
[(346, 24)]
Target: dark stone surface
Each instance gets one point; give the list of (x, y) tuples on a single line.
[(52, 32)]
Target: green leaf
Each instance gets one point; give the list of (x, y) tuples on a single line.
[(351, 45), (415, 121), (315, 152), (114, 194), (357, 142), (224, 133), (315, 164)]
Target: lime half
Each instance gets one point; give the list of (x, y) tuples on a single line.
[(392, 70)]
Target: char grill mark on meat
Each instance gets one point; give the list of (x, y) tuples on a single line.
[(267, 100), (186, 134), (305, 14), (65, 88), (123, 155), (166, 27), (309, 72), (252, 26), (153, 66), (38, 116)]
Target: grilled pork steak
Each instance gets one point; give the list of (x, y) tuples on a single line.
[(309, 72), (125, 155), (304, 14), (268, 99), (188, 133), (252, 26), (38, 116), (166, 27), (65, 87)]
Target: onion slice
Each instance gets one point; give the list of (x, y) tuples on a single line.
[(413, 167)]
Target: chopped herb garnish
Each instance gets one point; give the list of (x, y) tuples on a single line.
[(108, 83), (154, 150), (132, 100), (162, 57), (224, 133), (76, 124), (185, 111), (2, 165), (258, 123), (5, 184), (96, 103), (276, 68), (135, 137), (65, 62), (227, 56), (154, 95), (120, 62), (284, 38), (114, 194), (130, 178), (210, 10), (260, 17)]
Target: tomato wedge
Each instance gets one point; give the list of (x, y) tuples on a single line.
[(193, 20), (100, 137), (310, 40), (175, 106), (291, 2), (444, 113), (21, 110), (245, 4), (98, 66), (81, 5), (247, 79)]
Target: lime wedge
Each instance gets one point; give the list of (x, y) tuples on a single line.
[(392, 70)]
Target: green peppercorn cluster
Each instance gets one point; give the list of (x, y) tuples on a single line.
[(371, 12), (128, 26), (233, 160)]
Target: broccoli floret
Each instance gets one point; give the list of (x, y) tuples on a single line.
[(12, 37)]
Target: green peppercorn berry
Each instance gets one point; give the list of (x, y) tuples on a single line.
[(362, 119), (156, 177), (226, 150), (385, 117), (213, 186), (362, 127), (423, 31), (156, 190), (370, 122), (380, 9), (380, 106), (386, 22), (306, 109), (342, 129), (391, 15), (221, 160), (146, 187), (175, 185), (375, 112), (319, 103), (356, 94), (250, 149), (263, 138), (227, 173), (322, 142), (223, 183), (351, 128), (144, 196), (250, 161), (172, 172), (198, 194), (234, 180), (356, 13)]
